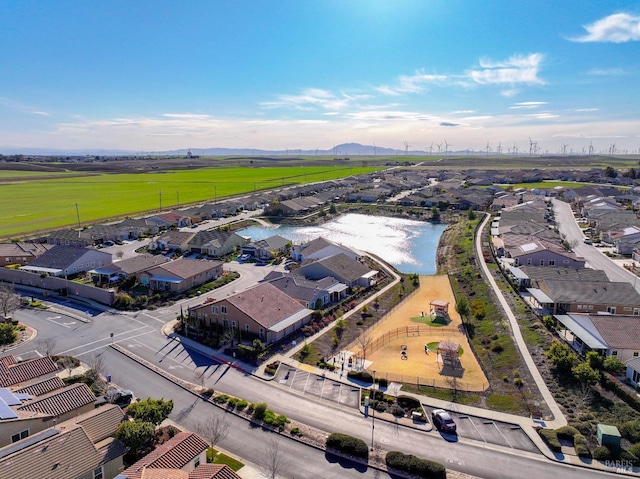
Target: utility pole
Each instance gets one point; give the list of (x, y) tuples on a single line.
[(178, 198), (160, 199), (78, 215)]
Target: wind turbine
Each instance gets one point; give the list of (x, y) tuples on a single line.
[(500, 148), (317, 148), (591, 148), (406, 147), (375, 149), (488, 148), (532, 147), (564, 149), (439, 145), (431, 149), (446, 147), (515, 149)]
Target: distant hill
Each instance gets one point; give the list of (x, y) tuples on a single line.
[(342, 150)]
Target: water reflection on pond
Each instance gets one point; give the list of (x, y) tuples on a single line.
[(408, 245)]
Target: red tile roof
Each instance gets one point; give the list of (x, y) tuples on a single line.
[(213, 471), (12, 372), (42, 387), (173, 454), (61, 401)]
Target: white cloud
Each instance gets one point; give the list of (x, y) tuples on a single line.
[(509, 93), (314, 98), (516, 69), (528, 105), (412, 83), (617, 28), (606, 71), (587, 109), (186, 116)]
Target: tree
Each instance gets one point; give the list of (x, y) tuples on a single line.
[(151, 410), (8, 333), (135, 434), (561, 356), (364, 340), (46, 345), (586, 376), (471, 214), (594, 360), (9, 300), (462, 307), (613, 365), (274, 463), (610, 172), (435, 214), (214, 429)]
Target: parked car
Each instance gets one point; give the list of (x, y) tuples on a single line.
[(119, 397), (586, 240), (443, 420), (244, 257)]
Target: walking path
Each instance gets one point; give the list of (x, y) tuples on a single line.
[(559, 419)]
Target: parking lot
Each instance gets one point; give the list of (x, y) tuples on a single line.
[(492, 432), (308, 383)]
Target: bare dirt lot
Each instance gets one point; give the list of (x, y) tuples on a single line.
[(405, 328)]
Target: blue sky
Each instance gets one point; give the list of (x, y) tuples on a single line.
[(150, 75)]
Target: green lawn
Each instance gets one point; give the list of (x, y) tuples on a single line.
[(39, 205)]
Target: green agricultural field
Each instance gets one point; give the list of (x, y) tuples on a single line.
[(31, 206)]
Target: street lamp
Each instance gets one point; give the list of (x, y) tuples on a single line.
[(373, 413)]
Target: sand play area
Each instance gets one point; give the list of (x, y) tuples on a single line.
[(404, 343)]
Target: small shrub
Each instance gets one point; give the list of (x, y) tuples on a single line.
[(241, 404), (415, 466), (363, 376), (350, 445), (295, 431), (259, 411), (602, 453), (551, 438), (232, 402), (221, 399)]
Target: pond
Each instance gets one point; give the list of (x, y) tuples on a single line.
[(408, 245)]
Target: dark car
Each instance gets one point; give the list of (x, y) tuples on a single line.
[(116, 396), (443, 420)]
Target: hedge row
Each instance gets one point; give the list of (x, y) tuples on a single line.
[(621, 391), (415, 466), (363, 376), (349, 445), (569, 433)]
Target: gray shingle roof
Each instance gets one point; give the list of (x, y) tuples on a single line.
[(619, 332), (591, 292)]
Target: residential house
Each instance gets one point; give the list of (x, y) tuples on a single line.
[(624, 240), (267, 248), (565, 297), (311, 294), (68, 260), (341, 267), (610, 335), (180, 275), (22, 415), (175, 240), (128, 267), (320, 248), (263, 311), (633, 371), (526, 250), (140, 226), (68, 238), (292, 207), (98, 234), (21, 253), (530, 275), (80, 448), (170, 218), (216, 243), (13, 373), (181, 457)]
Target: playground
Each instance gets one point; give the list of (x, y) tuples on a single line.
[(422, 341)]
